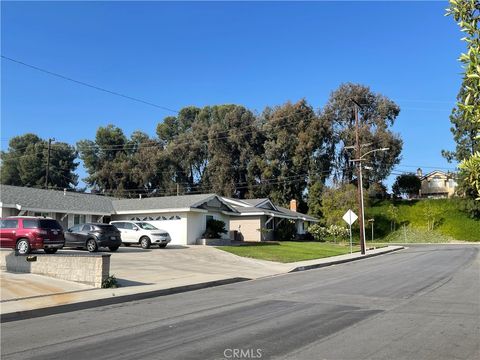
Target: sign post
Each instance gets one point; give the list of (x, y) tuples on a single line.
[(350, 217)]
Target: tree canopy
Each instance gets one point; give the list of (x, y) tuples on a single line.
[(25, 163), (285, 152), (466, 115), (377, 115), (407, 185)]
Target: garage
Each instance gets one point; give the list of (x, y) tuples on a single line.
[(183, 217), (173, 223)]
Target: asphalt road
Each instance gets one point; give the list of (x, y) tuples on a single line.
[(419, 303)]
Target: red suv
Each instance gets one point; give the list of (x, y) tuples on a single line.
[(26, 233)]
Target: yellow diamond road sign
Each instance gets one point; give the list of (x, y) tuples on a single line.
[(350, 217)]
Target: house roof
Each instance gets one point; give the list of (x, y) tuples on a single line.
[(280, 212), (25, 198), (161, 203), (297, 214), (248, 209), (255, 202), (435, 172)]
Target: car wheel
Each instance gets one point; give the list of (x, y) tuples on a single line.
[(113, 248), (50, 251), (162, 246), (145, 242), (23, 246), (92, 245)]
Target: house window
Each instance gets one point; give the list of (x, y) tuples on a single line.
[(41, 214), (79, 219), (208, 218), (437, 182)]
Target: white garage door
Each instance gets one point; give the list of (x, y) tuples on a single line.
[(173, 227)]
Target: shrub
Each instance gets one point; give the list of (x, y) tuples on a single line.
[(286, 231), (319, 233), (214, 229), (338, 232), (264, 232), (304, 237), (110, 282)]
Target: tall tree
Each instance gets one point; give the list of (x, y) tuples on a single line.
[(465, 134), (210, 149), (120, 166), (377, 116), (234, 140), (25, 163), (186, 149), (298, 149), (336, 201), (314, 198), (467, 113)]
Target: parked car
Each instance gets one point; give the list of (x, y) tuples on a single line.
[(92, 236), (143, 233), (27, 233)]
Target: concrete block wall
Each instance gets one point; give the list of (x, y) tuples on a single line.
[(90, 269)]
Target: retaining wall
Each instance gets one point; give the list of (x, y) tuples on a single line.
[(90, 269)]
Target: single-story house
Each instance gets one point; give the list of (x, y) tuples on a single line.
[(437, 184), (184, 217), (257, 219)]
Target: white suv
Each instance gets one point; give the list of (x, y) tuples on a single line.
[(141, 232)]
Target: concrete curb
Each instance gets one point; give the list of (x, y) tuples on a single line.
[(30, 314), (318, 266)]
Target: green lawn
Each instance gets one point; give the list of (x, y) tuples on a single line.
[(289, 251)]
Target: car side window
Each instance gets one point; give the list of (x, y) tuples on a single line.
[(119, 225), (75, 228), (86, 228), (9, 224), (128, 226), (30, 224)]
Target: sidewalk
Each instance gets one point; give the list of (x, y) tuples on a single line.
[(80, 296)]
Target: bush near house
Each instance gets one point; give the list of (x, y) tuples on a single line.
[(441, 218), (332, 233), (285, 231), (214, 229)]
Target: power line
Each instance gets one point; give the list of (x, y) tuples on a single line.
[(207, 137), (88, 85)]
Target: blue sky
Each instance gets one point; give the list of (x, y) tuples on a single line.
[(253, 53)]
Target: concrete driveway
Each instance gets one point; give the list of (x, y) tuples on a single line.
[(136, 266), (20, 286)]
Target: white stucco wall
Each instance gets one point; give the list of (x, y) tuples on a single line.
[(197, 223)]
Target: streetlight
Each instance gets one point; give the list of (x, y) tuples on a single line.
[(360, 185)]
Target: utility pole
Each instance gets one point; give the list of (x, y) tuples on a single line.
[(48, 162), (361, 219)]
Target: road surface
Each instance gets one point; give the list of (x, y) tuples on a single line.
[(419, 303)]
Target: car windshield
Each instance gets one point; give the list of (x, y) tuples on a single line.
[(106, 227), (146, 226), (48, 224)]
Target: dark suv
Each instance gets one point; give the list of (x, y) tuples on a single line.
[(92, 236), (26, 233)]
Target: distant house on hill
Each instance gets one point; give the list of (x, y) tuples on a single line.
[(437, 184)]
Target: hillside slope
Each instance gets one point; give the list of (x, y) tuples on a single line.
[(452, 222)]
